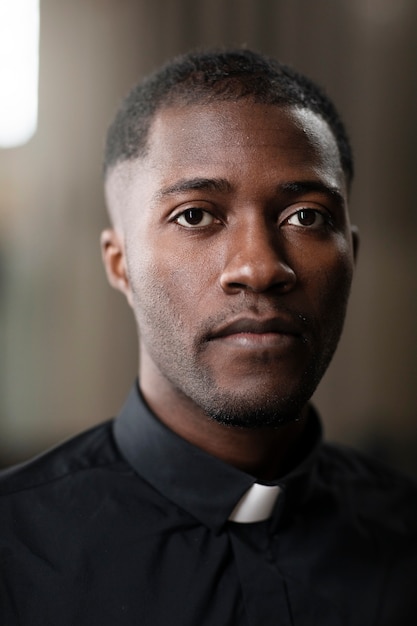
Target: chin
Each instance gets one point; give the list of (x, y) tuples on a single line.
[(270, 412)]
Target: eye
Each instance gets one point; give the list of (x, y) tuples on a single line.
[(194, 218), (309, 218)]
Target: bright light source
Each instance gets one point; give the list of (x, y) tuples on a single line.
[(19, 61)]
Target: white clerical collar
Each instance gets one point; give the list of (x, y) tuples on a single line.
[(256, 505)]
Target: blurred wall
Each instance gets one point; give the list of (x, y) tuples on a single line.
[(67, 344)]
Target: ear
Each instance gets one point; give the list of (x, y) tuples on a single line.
[(355, 241), (114, 259)]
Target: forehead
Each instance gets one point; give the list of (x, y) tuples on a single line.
[(248, 144), (195, 133)]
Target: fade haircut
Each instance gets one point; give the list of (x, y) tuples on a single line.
[(211, 76)]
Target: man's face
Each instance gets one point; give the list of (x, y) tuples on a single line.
[(239, 258)]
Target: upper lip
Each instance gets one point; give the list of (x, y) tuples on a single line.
[(259, 326)]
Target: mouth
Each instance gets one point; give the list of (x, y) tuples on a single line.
[(260, 333)]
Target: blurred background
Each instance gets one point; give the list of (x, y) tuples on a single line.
[(67, 341)]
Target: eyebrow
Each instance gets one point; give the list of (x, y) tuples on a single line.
[(193, 184), (308, 186), (293, 188)]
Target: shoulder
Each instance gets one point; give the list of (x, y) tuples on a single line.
[(350, 465), (90, 451), (368, 487)]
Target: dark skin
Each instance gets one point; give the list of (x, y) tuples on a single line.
[(232, 243)]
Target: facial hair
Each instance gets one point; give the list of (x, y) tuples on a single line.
[(182, 363)]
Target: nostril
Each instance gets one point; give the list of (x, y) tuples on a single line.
[(258, 275)]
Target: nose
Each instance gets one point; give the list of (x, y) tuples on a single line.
[(256, 262)]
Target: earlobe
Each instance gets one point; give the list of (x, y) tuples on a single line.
[(355, 241), (114, 259)]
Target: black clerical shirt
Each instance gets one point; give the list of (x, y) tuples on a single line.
[(128, 525)]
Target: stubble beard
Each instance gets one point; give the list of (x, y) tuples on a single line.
[(257, 410), (182, 365), (193, 380)]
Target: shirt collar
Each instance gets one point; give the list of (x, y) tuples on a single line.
[(208, 489)]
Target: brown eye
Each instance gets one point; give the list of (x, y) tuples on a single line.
[(194, 217), (307, 217)]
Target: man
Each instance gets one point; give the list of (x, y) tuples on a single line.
[(211, 499)]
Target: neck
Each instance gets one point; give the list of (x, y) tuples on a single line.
[(265, 453)]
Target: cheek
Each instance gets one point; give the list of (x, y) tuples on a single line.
[(169, 290), (327, 280), (190, 273)]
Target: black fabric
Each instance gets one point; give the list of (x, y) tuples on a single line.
[(127, 524)]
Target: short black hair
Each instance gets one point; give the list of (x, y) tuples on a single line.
[(217, 75)]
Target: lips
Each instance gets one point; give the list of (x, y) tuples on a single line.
[(260, 326)]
